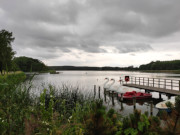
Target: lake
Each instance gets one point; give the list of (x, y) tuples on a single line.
[(86, 80)]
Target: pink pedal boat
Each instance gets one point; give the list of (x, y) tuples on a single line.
[(137, 95)]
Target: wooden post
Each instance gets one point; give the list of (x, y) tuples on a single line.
[(94, 90), (159, 95), (121, 96), (159, 83), (109, 92), (135, 80), (179, 85), (151, 109), (165, 83), (134, 102), (148, 81), (113, 98), (171, 84), (131, 80), (169, 96), (99, 92), (105, 97), (121, 106), (153, 82)]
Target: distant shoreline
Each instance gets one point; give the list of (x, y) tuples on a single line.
[(73, 68)]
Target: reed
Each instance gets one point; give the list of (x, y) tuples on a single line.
[(63, 111)]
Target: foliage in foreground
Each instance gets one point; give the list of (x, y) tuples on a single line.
[(66, 111)]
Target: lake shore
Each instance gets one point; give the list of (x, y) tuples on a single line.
[(161, 71)]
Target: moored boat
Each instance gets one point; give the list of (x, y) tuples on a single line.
[(137, 95), (162, 105)]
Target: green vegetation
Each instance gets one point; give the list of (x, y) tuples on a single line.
[(6, 52), (27, 64), (66, 111), (13, 78), (161, 65), (53, 72)]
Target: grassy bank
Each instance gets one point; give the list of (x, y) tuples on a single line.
[(67, 111), (12, 78)]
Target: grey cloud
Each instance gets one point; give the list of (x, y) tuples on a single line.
[(41, 11), (133, 47), (133, 54), (48, 25), (150, 18)]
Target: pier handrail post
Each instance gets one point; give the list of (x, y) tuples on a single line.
[(164, 83), (153, 82), (143, 80), (148, 81), (135, 80), (131, 80), (139, 80), (179, 85), (171, 84)]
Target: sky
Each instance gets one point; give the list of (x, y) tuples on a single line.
[(93, 32)]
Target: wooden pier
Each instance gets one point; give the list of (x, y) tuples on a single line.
[(167, 86)]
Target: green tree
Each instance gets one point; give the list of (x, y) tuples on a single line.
[(6, 51), (27, 64)]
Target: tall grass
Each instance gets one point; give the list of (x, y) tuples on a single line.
[(64, 111)]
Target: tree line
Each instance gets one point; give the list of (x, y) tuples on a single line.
[(27, 64), (157, 65), (161, 65), (91, 68)]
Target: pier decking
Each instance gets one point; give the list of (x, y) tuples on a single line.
[(167, 86)]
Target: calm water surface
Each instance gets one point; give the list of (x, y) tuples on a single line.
[(87, 79)]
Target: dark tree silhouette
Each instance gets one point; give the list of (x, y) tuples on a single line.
[(27, 64), (6, 51)]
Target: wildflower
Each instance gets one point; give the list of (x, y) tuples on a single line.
[(47, 129)]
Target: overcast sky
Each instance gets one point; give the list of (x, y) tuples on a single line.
[(94, 32)]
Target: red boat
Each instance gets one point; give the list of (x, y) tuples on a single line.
[(137, 95)]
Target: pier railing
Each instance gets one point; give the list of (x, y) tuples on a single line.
[(156, 82)]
